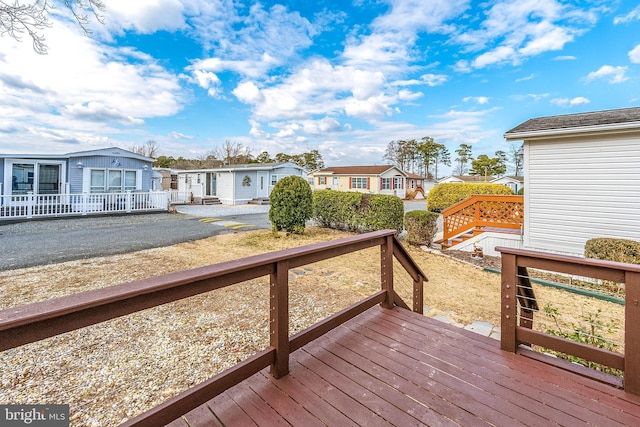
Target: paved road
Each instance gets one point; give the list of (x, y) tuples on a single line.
[(42, 242)]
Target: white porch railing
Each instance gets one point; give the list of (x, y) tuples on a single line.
[(53, 205), (177, 197)]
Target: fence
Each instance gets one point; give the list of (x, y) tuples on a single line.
[(524, 312), (54, 205), (40, 320)]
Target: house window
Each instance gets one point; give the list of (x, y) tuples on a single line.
[(22, 178), (112, 180), (386, 184), (97, 180), (359, 182), (129, 180), (397, 183), (322, 180), (274, 179), (115, 181)]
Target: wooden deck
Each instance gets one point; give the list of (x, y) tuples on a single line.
[(395, 367)]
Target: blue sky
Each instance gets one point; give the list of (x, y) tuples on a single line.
[(341, 77)]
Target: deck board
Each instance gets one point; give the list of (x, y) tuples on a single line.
[(394, 367)]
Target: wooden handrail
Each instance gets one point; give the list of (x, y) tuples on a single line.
[(512, 334), (483, 210), (37, 321)]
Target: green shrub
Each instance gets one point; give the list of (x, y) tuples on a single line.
[(421, 227), (620, 250), (521, 191), (443, 196), (357, 212), (380, 212), (291, 204)]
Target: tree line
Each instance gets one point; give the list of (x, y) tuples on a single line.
[(230, 153), (423, 157)]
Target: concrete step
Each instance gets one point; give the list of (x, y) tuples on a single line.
[(259, 201)]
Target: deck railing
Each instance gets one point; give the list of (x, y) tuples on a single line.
[(53, 205), (519, 306), (34, 322), (481, 211)]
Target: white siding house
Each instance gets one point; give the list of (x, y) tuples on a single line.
[(582, 178), (236, 184)]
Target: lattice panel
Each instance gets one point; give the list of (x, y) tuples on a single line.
[(501, 212)]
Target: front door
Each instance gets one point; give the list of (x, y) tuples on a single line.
[(263, 184), (49, 179), (211, 184)]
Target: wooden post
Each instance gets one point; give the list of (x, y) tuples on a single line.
[(508, 303), (418, 297), (386, 270), (632, 333), (279, 318)]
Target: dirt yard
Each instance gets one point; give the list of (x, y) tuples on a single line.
[(115, 370)]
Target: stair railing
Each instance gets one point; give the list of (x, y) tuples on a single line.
[(481, 211)]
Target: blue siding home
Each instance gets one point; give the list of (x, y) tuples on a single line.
[(108, 170)]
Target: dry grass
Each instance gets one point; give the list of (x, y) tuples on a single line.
[(112, 371)]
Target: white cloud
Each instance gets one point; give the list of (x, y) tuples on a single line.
[(614, 74), (497, 55), (525, 78), (145, 17), (434, 79), (565, 58), (248, 93), (477, 99), (631, 16), (634, 55), (96, 111), (179, 135), (517, 29), (81, 89), (389, 45), (252, 43), (570, 102), (319, 88), (208, 80)]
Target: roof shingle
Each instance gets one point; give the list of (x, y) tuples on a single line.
[(580, 120)]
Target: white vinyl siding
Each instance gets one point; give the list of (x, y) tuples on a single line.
[(579, 189)]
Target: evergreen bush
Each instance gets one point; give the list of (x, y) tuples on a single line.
[(619, 250), (421, 227), (358, 212), (443, 196), (291, 204)]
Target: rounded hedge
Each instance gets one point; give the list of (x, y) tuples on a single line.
[(291, 204), (421, 227)]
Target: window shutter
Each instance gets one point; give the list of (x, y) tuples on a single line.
[(368, 183), (350, 182)]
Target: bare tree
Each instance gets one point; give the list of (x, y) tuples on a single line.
[(233, 153), (516, 155), (20, 17), (149, 149)]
